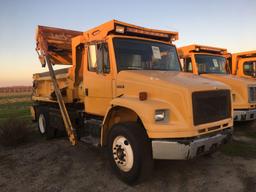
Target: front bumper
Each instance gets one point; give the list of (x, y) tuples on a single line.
[(189, 148), (244, 115)]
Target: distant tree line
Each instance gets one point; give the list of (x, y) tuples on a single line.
[(15, 89)]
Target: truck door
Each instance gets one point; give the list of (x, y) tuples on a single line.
[(97, 79)]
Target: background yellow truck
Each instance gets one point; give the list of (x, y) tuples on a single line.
[(243, 64), (211, 62), (124, 89)]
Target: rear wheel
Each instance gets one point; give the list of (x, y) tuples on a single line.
[(43, 124), (129, 151)]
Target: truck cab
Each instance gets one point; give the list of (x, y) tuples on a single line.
[(243, 64), (124, 87), (211, 62)]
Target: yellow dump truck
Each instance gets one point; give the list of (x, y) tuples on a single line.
[(243, 64), (124, 90), (211, 63)]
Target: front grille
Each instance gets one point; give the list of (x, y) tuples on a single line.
[(252, 94), (211, 106)]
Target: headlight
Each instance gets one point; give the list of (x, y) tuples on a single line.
[(161, 115)]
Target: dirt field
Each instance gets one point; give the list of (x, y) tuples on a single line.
[(57, 166), (40, 165)]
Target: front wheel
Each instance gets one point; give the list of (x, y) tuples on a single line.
[(130, 153)]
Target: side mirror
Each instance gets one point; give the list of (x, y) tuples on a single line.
[(254, 69), (102, 58)]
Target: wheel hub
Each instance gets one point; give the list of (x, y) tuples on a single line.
[(123, 153), (41, 121), (120, 154)]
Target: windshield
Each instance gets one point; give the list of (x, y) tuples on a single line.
[(134, 54), (211, 64), (250, 68)]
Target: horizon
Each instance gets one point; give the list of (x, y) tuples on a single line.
[(227, 24)]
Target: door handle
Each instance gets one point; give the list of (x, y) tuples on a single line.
[(86, 92)]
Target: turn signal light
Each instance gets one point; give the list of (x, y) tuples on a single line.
[(143, 96)]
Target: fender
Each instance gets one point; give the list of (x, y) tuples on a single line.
[(144, 110)]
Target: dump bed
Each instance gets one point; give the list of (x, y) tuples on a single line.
[(43, 87), (58, 72), (56, 44)]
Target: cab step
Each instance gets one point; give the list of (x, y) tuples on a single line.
[(90, 140)]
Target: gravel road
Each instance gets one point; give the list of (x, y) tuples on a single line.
[(55, 165)]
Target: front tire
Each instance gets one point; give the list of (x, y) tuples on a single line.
[(130, 152)]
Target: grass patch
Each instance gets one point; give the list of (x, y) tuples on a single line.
[(15, 110), (242, 149), (16, 104), (16, 126), (14, 131)]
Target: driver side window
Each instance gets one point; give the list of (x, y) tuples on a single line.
[(98, 58), (249, 68)]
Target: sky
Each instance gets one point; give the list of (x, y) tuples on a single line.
[(223, 23)]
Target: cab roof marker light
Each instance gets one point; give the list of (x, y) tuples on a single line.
[(134, 30), (120, 29), (212, 49), (174, 39)]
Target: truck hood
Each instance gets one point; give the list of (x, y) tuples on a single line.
[(239, 87), (230, 80), (165, 90), (172, 78)]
